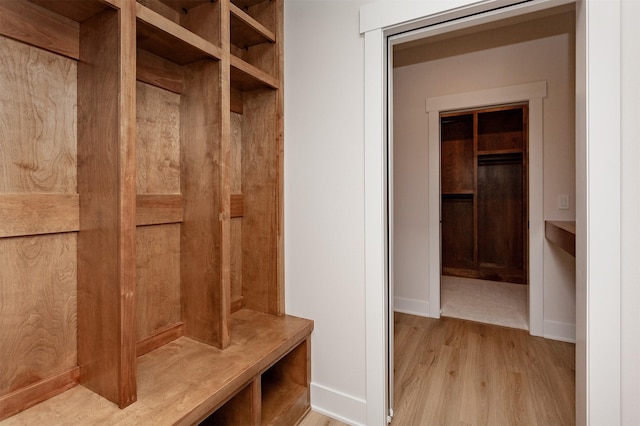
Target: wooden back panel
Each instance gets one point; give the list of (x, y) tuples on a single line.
[(38, 297)]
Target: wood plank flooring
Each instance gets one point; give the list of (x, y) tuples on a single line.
[(457, 372), (314, 418)]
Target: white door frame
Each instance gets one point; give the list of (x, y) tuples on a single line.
[(598, 131), (533, 93)]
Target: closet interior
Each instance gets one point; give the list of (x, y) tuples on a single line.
[(484, 193)]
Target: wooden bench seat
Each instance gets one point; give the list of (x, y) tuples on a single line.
[(185, 381)]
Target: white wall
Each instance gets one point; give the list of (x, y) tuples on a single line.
[(324, 196), (630, 290), (528, 52)]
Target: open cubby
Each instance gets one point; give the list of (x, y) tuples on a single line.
[(141, 190), (284, 387)]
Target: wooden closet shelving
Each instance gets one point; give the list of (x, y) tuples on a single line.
[(141, 193), (484, 193)]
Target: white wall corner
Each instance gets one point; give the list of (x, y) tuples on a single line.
[(340, 406), (561, 331), (411, 306)]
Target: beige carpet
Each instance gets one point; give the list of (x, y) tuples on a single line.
[(484, 301)]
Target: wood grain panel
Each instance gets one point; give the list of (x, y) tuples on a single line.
[(204, 19), (204, 312), (157, 279), (32, 214), (158, 209), (235, 173), (158, 140), (458, 244), (502, 129), (236, 101), (38, 306), (265, 12), (235, 164), (38, 93), (236, 260), (501, 212), (106, 241), (237, 205), (34, 25), (456, 155), (159, 72), (260, 190)]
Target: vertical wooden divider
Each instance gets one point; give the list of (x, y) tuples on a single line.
[(203, 290), (106, 184), (224, 88), (279, 290)]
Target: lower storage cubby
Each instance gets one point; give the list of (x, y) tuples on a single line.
[(285, 388), (242, 409), (262, 377)]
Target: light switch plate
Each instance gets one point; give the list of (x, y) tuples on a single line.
[(563, 202)]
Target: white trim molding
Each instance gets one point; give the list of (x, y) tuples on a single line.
[(561, 331), (329, 401), (533, 93), (411, 306)]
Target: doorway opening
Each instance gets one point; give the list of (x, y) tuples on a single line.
[(483, 214), (513, 62)]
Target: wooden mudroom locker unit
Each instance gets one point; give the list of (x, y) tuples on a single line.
[(484, 189), (141, 195)]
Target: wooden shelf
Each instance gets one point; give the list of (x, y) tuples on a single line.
[(246, 77), (75, 10), (184, 5), (562, 233), (498, 152), (165, 38), (459, 194), (245, 4), (246, 31), (185, 381)]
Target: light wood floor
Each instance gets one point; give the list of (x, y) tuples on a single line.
[(317, 419), (457, 372)]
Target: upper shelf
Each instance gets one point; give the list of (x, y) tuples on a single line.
[(75, 10), (245, 4), (246, 77), (165, 38), (246, 31)]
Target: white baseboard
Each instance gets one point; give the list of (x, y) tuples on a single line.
[(340, 406), (562, 331), (411, 306)]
